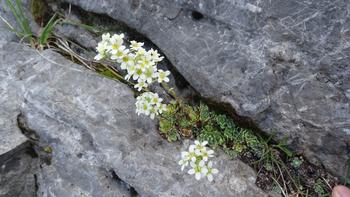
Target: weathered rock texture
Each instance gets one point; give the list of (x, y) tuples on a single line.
[(282, 64), (16, 169), (6, 14), (96, 137)]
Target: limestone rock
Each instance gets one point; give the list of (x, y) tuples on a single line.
[(282, 64), (97, 140)]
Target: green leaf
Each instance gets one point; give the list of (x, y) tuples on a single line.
[(107, 73), (214, 137), (184, 123), (173, 136), (165, 125), (193, 115), (282, 145), (230, 134), (221, 121), (17, 11), (47, 31), (319, 188), (204, 113)]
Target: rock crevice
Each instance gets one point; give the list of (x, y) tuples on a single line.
[(90, 124), (282, 64)]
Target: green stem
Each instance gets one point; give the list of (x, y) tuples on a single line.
[(170, 91), (117, 75)]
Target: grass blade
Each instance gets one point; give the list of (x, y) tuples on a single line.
[(17, 12), (48, 30), (9, 26), (24, 19)]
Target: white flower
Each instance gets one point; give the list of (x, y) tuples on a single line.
[(153, 112), (155, 55), (185, 159), (140, 84), (106, 37), (117, 38), (145, 104), (149, 74), (210, 171), (136, 45), (198, 147), (116, 42), (119, 53), (141, 66), (206, 154), (137, 74), (145, 62), (163, 76), (101, 48), (130, 71), (198, 158), (126, 61), (198, 169)]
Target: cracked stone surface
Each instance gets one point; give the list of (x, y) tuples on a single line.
[(90, 123), (6, 14), (282, 64)]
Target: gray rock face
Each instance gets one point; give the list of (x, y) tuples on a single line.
[(16, 171), (282, 64), (7, 17), (96, 137), (5, 34)]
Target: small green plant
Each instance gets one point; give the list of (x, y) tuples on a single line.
[(24, 31), (320, 188), (178, 120), (47, 30), (16, 8), (297, 161)]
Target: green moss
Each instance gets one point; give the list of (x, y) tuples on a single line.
[(273, 159), (320, 188)]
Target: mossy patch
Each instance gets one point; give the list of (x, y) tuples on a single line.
[(276, 165)]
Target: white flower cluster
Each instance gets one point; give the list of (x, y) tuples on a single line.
[(150, 104), (198, 158), (141, 66)]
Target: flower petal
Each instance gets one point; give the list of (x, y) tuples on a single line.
[(198, 176), (191, 171), (214, 171), (183, 167), (204, 171), (201, 163), (210, 177)]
